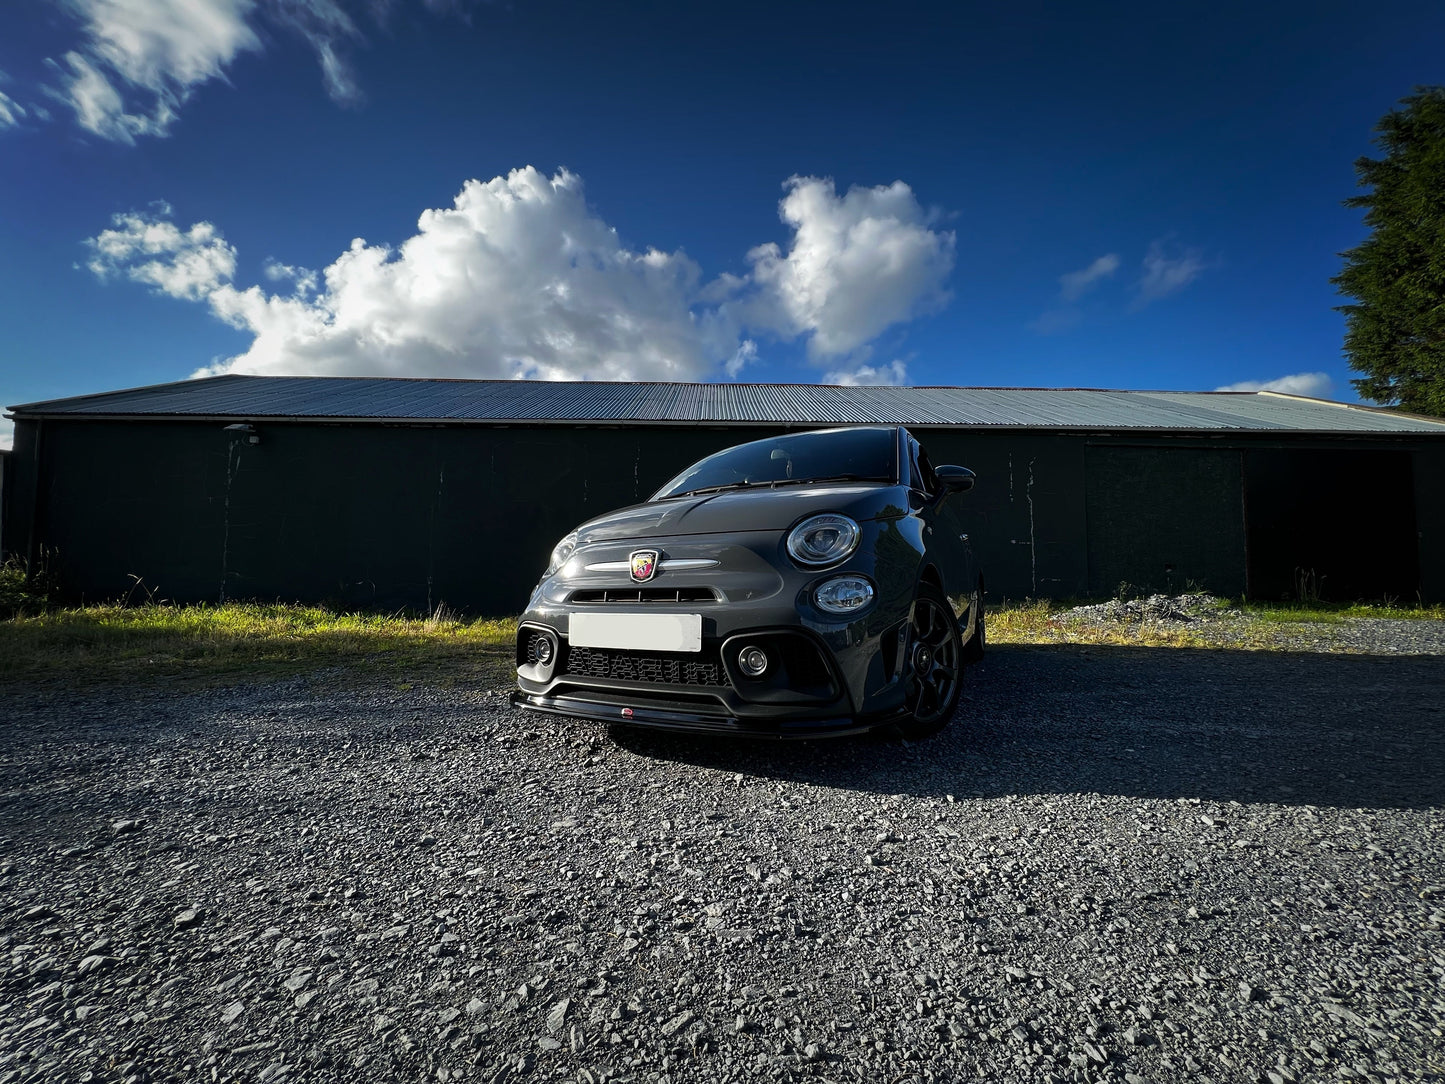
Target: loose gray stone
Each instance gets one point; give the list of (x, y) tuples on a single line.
[(92, 964), (184, 920), (557, 1016)]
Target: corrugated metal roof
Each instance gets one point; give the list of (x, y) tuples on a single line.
[(498, 401)]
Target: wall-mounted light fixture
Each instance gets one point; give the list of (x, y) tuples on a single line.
[(245, 429)]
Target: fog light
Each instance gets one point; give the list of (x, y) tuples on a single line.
[(753, 661), (844, 595), (544, 650)]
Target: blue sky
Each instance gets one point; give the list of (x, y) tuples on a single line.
[(1131, 196)]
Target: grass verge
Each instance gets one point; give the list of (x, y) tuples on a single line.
[(248, 640), (1336, 612), (1033, 621)]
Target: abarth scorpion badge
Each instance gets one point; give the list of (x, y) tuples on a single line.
[(644, 565)]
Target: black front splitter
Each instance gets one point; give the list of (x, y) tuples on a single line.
[(684, 722)]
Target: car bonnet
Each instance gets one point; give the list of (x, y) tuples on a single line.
[(732, 511)]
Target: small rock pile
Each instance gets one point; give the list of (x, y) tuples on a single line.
[(1187, 608)]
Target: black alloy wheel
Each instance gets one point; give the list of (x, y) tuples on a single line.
[(935, 663)]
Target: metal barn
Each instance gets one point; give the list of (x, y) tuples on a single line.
[(384, 493)]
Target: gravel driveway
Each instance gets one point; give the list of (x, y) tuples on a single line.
[(1116, 865)]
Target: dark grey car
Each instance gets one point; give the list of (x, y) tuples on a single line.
[(790, 587)]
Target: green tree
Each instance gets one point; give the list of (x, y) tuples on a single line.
[(1395, 330)]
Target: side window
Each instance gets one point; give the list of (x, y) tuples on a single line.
[(924, 470), (920, 470)]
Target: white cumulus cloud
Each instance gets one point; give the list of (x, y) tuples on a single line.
[(1167, 270), (857, 264), (191, 264), (518, 278), (895, 373), (7, 434), (1076, 284), (137, 62), (1314, 385)]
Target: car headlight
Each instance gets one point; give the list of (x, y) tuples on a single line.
[(823, 540), (844, 595), (561, 552)]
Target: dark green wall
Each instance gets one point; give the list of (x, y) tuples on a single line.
[(1165, 519), (1430, 518), (5, 460), (393, 516), (1026, 516)]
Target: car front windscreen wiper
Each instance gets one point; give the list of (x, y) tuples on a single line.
[(713, 489), (829, 478)]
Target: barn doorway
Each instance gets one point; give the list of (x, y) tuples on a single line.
[(1331, 525)]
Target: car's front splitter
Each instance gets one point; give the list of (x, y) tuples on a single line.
[(696, 722)]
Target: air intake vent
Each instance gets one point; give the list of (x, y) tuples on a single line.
[(644, 594), (704, 669)]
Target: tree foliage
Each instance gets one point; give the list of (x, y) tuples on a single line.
[(1395, 330)]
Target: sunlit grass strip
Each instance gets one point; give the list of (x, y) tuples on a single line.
[(1335, 612), (243, 639), (1035, 621)]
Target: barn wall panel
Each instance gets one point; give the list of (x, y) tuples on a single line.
[(415, 516), (1165, 519)]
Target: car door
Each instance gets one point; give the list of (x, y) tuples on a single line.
[(946, 540)]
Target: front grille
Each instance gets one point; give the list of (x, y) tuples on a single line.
[(644, 594), (671, 669)]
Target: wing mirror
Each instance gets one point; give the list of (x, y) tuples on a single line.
[(954, 479)]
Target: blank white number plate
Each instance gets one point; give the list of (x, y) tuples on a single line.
[(636, 632)]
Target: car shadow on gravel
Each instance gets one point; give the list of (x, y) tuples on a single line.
[(1249, 726)]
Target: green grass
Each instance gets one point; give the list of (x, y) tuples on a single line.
[(1033, 621), (249, 640), (1289, 614), (1336, 612)]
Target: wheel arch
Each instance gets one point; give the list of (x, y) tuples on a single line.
[(929, 574)]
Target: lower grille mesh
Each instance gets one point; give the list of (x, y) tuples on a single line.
[(703, 669)]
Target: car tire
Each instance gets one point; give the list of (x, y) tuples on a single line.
[(935, 664), (973, 650)]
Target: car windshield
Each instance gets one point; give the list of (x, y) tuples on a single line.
[(835, 455)]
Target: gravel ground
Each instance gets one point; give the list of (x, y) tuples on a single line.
[(1218, 623), (1358, 635), (1116, 865)]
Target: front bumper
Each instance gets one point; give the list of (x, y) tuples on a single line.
[(802, 694), (830, 675), (691, 722)]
